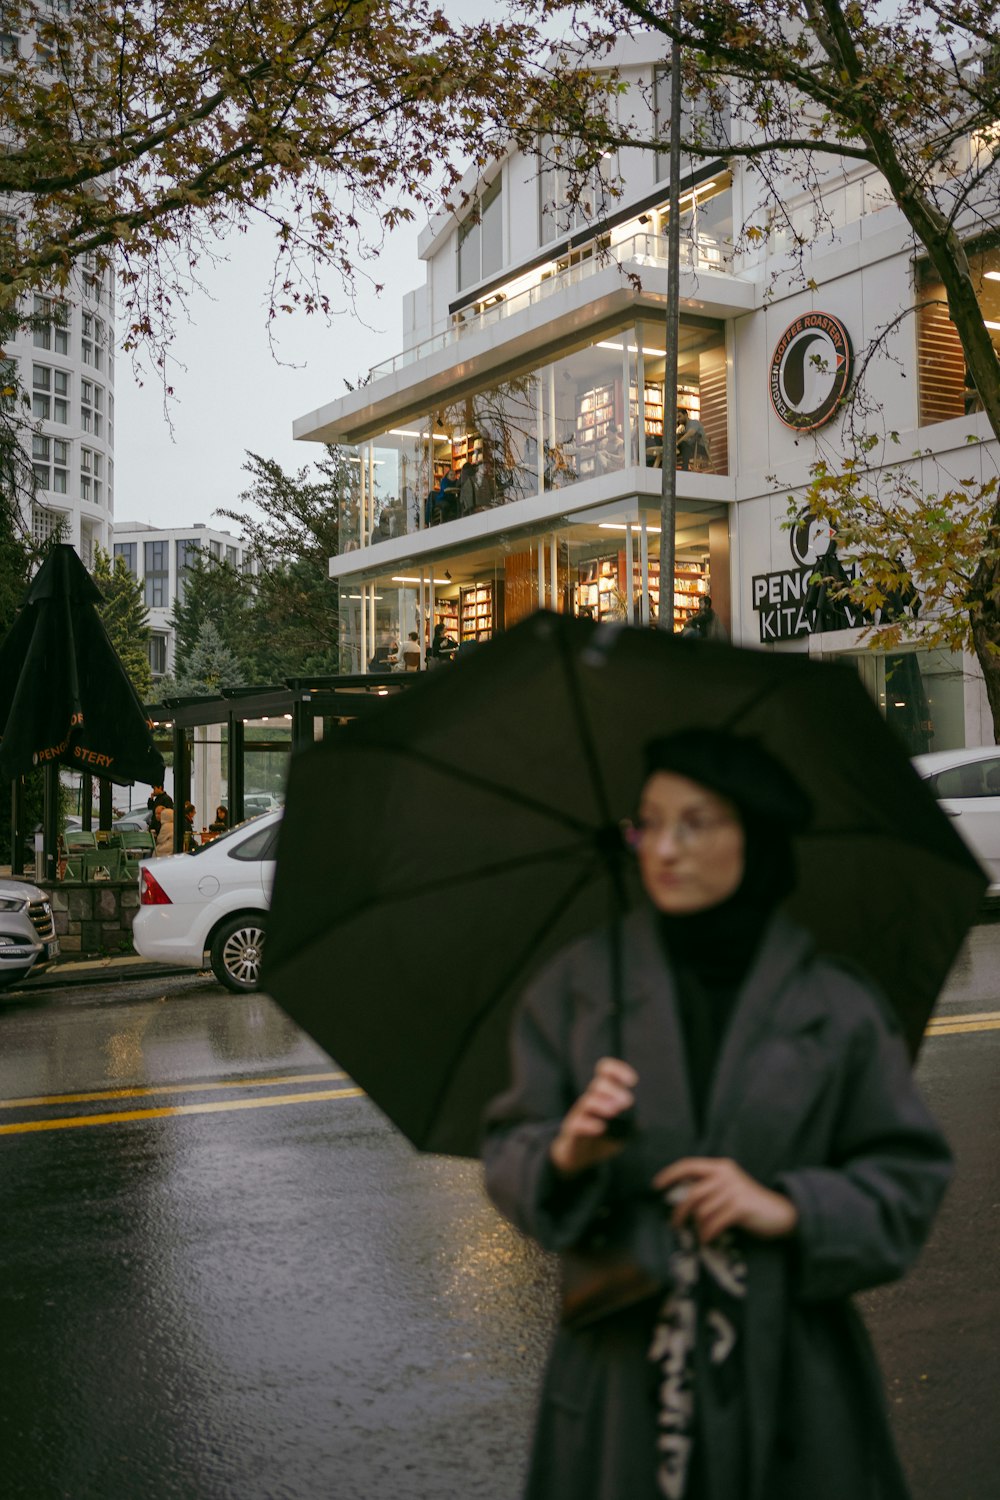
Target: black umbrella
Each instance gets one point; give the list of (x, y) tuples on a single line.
[(64, 694), (434, 854)]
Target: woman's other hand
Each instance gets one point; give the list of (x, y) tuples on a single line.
[(720, 1196), (583, 1140)]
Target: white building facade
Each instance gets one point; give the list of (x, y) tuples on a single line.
[(63, 359), (64, 362), (161, 559), (532, 374)]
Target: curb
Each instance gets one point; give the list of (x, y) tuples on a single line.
[(98, 971)]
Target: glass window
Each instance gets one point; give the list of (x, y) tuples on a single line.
[(127, 550), (156, 577), (978, 778), (157, 654), (565, 201), (262, 844), (480, 238), (186, 553), (946, 387)]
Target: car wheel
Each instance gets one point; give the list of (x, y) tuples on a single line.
[(236, 953)]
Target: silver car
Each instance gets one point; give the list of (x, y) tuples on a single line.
[(28, 941)]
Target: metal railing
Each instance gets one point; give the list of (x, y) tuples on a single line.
[(701, 254)]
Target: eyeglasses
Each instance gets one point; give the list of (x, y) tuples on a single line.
[(688, 831)]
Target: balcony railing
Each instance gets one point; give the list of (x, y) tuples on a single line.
[(701, 254)]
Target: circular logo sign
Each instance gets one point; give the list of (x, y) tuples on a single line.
[(810, 371), (810, 539)]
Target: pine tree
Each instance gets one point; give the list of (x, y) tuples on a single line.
[(215, 595), (209, 665), (126, 619)]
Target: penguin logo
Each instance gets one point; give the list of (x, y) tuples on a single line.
[(810, 539), (810, 371)]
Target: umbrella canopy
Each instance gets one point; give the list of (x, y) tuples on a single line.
[(433, 855), (64, 694)]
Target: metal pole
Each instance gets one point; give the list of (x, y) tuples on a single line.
[(630, 575), (668, 492), (644, 610), (541, 573), (554, 573)]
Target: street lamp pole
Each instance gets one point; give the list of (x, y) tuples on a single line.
[(668, 491)]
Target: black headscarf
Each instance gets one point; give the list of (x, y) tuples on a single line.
[(710, 951)]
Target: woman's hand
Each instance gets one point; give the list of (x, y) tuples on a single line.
[(582, 1140), (720, 1195)]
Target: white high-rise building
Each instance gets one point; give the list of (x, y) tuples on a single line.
[(64, 360), (160, 557)]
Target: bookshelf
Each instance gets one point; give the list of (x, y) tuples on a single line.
[(446, 614), (476, 612), (598, 409), (597, 592)]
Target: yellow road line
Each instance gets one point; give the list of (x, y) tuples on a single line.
[(962, 1015), (221, 1106), (956, 1028), (169, 1088)]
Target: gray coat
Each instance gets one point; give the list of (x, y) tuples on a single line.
[(813, 1096)]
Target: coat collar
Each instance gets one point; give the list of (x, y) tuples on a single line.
[(764, 1006)]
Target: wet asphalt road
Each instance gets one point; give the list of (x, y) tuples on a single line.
[(275, 1298)]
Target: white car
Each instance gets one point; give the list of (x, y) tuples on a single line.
[(215, 900), (28, 941), (967, 785)]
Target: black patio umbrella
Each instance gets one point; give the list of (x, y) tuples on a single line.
[(434, 854), (64, 694)]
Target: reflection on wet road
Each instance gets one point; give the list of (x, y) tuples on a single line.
[(275, 1302), (244, 1285)]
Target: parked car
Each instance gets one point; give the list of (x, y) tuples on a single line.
[(967, 785), (212, 900), (28, 941), (133, 822)]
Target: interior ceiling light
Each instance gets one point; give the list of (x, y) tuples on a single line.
[(992, 275), (624, 525), (417, 580), (630, 347)]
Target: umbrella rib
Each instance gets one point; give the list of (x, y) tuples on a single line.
[(479, 783), (584, 734), (508, 978)]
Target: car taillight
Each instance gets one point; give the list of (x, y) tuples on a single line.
[(152, 893)]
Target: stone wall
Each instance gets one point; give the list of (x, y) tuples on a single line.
[(95, 918)]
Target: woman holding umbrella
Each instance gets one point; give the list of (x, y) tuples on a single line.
[(716, 1127)]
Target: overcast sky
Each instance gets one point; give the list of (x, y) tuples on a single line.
[(231, 393)]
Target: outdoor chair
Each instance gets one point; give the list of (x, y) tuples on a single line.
[(80, 839), (136, 845), (103, 864)]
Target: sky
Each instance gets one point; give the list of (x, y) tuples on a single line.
[(232, 394)]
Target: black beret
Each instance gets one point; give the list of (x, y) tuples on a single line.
[(736, 767)]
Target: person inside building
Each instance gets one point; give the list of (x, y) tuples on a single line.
[(442, 502), (443, 646), (611, 449), (704, 624), (409, 654), (220, 822), (742, 1154), (692, 440)]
